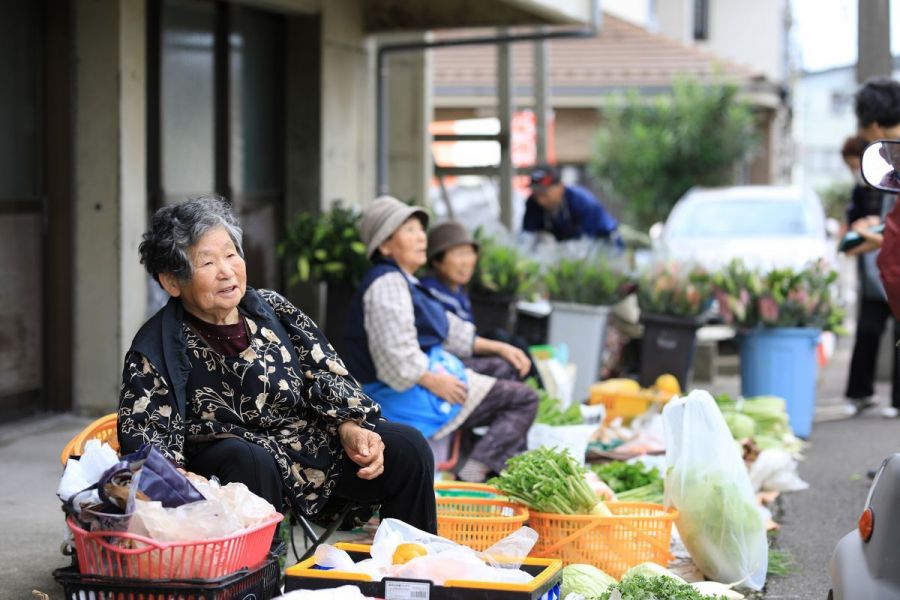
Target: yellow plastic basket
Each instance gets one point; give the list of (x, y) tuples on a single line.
[(637, 532), (478, 522)]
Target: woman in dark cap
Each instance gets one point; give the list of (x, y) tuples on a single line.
[(405, 348), (238, 383)]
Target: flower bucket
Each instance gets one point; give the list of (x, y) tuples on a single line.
[(668, 347), (582, 328), (781, 362), (493, 311)]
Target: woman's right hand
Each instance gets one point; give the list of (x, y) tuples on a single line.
[(445, 386)]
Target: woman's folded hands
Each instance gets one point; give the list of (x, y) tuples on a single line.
[(363, 447)]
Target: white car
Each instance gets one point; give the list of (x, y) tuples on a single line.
[(766, 226)]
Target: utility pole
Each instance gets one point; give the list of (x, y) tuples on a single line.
[(505, 112), (539, 87), (874, 41)]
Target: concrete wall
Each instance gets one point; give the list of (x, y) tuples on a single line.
[(410, 101), (348, 125), (110, 198), (751, 33)]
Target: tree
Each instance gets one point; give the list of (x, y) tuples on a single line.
[(649, 153)]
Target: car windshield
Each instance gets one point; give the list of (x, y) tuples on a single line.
[(743, 218)]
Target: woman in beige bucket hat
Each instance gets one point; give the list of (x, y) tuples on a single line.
[(405, 348)]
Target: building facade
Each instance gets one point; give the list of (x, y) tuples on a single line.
[(118, 107)]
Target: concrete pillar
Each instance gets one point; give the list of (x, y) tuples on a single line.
[(110, 196), (874, 40), (505, 103), (409, 98), (348, 105)]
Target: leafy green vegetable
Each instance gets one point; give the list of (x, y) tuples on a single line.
[(549, 412), (621, 477), (587, 580), (649, 570), (719, 523), (639, 587), (652, 492), (781, 563), (740, 425), (548, 480)]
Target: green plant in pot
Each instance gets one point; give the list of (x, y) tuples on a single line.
[(325, 248), (582, 292), (781, 315), (502, 275), (672, 298)]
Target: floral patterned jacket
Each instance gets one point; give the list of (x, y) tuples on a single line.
[(286, 395)]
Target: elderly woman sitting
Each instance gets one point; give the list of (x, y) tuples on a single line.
[(238, 383), (405, 348)]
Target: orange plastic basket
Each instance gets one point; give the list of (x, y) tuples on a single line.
[(103, 429), (637, 532), (478, 522), (121, 554)]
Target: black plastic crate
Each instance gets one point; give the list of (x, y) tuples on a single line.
[(260, 583)]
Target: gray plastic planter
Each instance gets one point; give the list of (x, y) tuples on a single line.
[(582, 328)]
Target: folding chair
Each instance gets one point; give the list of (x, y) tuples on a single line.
[(104, 429)]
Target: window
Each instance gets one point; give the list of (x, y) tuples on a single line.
[(701, 19), (216, 112)]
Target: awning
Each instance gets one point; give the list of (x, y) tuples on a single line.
[(408, 15)]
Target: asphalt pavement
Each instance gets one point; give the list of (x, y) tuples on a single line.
[(841, 451)]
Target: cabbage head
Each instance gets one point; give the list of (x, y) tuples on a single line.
[(587, 580), (650, 570), (741, 426)]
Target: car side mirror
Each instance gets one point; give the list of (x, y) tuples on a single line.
[(880, 164), (656, 231), (832, 227)]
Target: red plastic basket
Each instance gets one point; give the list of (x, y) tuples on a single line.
[(121, 554)]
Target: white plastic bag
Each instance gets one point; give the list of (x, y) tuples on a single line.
[(708, 483), (444, 559), (574, 438), (775, 470), (345, 592)]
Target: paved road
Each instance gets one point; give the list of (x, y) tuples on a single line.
[(842, 451)]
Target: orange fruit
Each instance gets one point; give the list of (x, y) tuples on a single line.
[(668, 385), (408, 551)]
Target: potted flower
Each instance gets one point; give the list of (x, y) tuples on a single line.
[(781, 316), (502, 275), (673, 299), (325, 248), (582, 293)]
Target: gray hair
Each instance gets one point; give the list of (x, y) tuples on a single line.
[(176, 228)]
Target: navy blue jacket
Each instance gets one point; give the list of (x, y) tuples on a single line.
[(431, 322), (580, 214)]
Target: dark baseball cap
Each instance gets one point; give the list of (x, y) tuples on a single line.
[(544, 176)]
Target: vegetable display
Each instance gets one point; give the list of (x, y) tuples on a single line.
[(641, 587), (549, 411), (721, 523), (586, 580), (549, 480), (621, 476)]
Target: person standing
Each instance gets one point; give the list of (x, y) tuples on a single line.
[(877, 106)]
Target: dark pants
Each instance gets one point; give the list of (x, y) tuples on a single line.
[(405, 490), (508, 410), (873, 314)]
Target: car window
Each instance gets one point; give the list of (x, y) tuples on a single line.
[(745, 218)]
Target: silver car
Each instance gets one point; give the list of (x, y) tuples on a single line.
[(767, 226)]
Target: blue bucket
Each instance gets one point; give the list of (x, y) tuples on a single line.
[(782, 362)]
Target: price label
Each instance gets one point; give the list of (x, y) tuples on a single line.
[(406, 590)]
